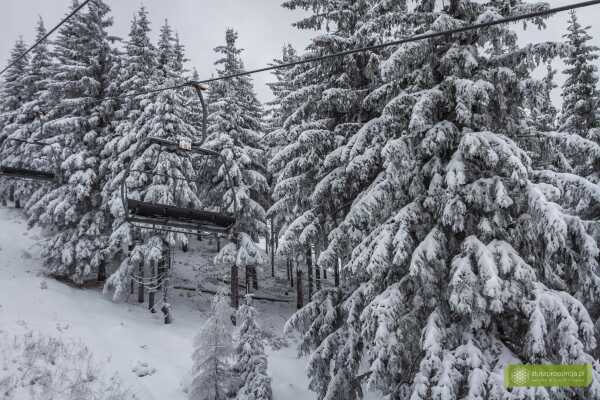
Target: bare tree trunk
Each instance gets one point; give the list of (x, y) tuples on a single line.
[(309, 271), (235, 289), (101, 272), (152, 291), (272, 248), (336, 272), (141, 283), (300, 298), (254, 275), (218, 244), (129, 250), (291, 272), (17, 203)]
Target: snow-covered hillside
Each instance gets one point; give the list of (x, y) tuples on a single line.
[(125, 339)]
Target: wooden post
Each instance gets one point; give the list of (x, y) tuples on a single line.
[(235, 289), (309, 271), (300, 298)]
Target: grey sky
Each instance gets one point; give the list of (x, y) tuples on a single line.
[(264, 26)]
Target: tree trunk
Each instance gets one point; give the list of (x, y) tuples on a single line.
[(309, 271), (235, 289), (101, 272), (272, 248), (300, 298), (184, 247), (218, 244), (141, 284), (336, 272), (291, 272), (254, 275), (130, 249), (17, 203)]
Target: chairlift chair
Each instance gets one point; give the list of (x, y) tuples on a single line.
[(25, 173), (169, 218)]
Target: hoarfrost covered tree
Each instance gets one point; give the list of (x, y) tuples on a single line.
[(458, 247), (75, 131), (250, 365), (27, 123), (213, 348), (13, 89), (581, 95), (316, 181), (134, 73), (235, 131)]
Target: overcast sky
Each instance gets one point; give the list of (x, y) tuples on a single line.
[(264, 26)]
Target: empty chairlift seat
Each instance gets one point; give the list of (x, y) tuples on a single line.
[(23, 173), (186, 218)]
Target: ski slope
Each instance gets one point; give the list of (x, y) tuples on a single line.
[(122, 335)]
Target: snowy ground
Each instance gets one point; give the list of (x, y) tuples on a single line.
[(125, 336)]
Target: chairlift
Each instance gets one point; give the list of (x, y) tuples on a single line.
[(170, 218), (24, 172)]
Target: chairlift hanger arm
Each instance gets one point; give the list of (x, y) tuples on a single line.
[(175, 146)]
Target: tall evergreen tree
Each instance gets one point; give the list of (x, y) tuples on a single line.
[(250, 364), (134, 74), (13, 90), (27, 122), (77, 123), (456, 247), (159, 176), (330, 103), (211, 376), (581, 95), (235, 131)]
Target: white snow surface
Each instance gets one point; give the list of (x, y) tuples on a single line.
[(121, 336)]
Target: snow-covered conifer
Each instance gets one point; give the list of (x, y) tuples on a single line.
[(250, 365), (235, 131), (581, 96), (75, 131), (457, 247), (213, 347)]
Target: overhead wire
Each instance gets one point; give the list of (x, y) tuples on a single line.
[(308, 60), (46, 36)]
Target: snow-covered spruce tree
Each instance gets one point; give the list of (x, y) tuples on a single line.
[(213, 347), (581, 95), (235, 131), (462, 263), (134, 74), (316, 180), (544, 113), (12, 88), (277, 111), (28, 122), (14, 93), (250, 366), (77, 120)]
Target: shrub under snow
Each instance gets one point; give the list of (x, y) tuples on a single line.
[(36, 367)]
